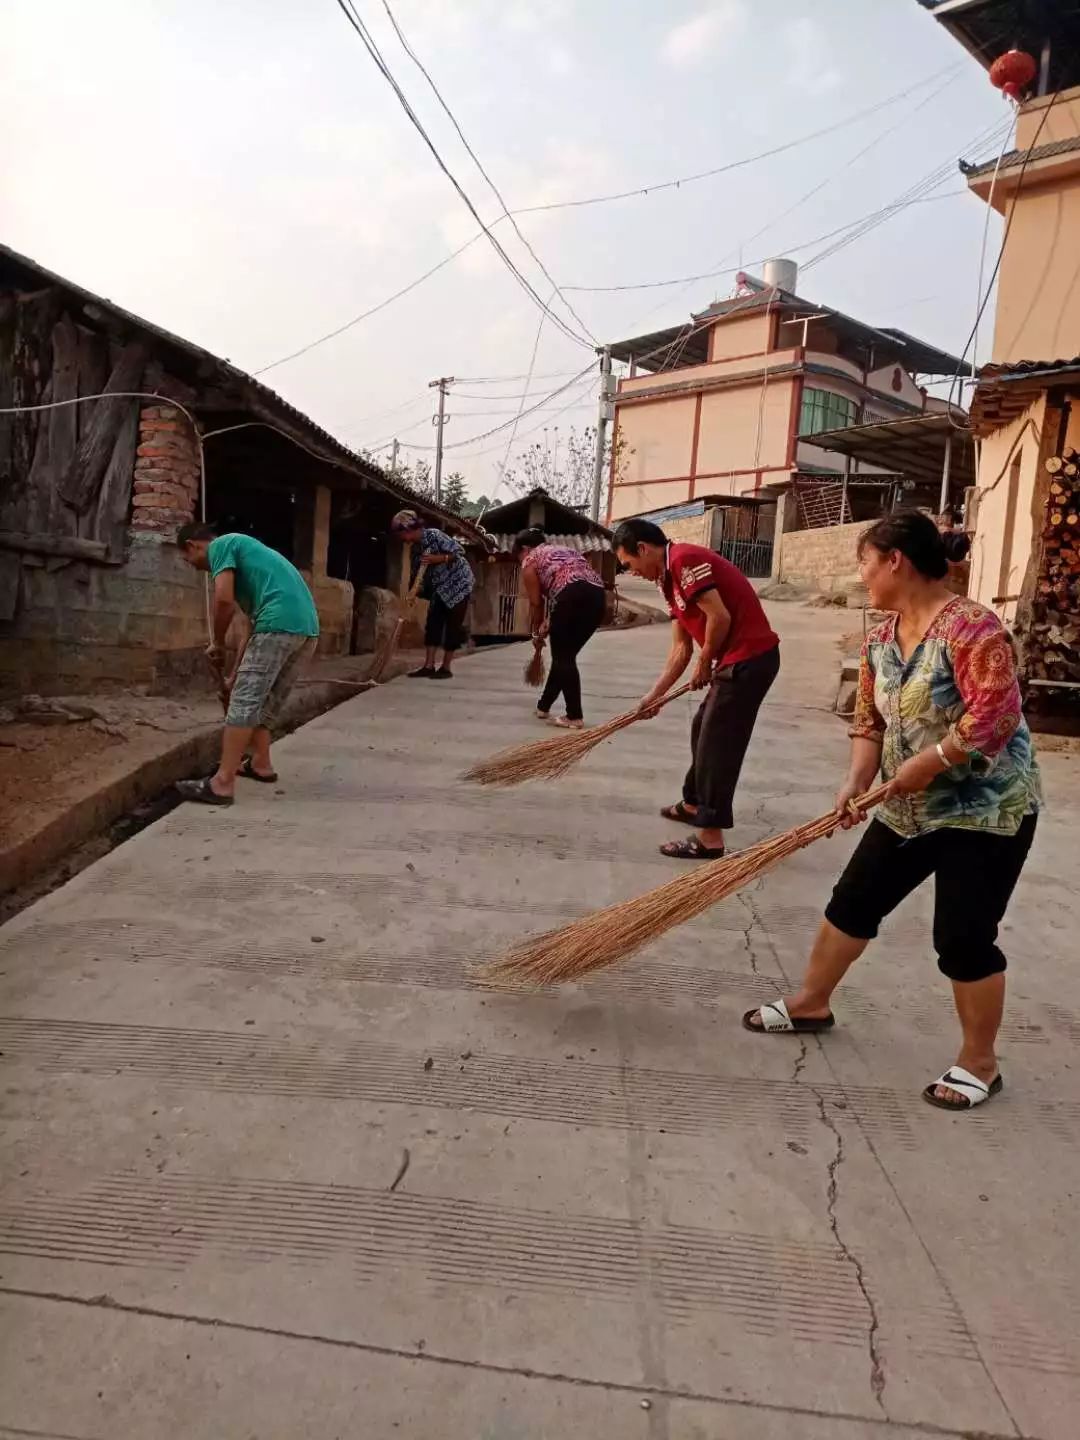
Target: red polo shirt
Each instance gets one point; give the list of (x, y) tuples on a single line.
[(689, 571)]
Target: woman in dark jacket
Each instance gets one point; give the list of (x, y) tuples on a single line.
[(566, 599)]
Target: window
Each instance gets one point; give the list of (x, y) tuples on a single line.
[(822, 410)]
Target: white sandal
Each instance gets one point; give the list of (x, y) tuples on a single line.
[(775, 1018), (974, 1090)]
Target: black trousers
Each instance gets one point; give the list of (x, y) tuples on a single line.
[(721, 733), (575, 617), (445, 624), (975, 873)]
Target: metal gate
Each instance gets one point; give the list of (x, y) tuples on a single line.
[(753, 557)]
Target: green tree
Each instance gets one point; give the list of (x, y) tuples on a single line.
[(454, 495)]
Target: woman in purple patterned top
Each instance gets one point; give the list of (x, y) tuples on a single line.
[(566, 597)]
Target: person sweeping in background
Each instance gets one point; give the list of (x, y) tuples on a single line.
[(555, 576), (447, 588), (713, 605), (938, 712), (274, 597)]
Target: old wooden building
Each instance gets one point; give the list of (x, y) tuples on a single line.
[(92, 590)]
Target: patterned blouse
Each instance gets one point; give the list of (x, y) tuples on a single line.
[(959, 682), (556, 567), (452, 582)]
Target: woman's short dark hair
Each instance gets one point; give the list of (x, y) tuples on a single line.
[(631, 534), (917, 537), (529, 539)]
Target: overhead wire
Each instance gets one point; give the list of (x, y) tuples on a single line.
[(724, 169), (479, 165), (914, 194), (366, 314), (747, 264), (497, 429), (348, 9), (597, 200), (957, 379), (828, 180)]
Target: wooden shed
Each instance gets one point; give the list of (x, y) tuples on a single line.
[(500, 610)]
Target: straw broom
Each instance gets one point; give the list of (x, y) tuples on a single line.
[(618, 932), (386, 654), (547, 759), (536, 670)]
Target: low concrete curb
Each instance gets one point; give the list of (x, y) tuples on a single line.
[(138, 774)]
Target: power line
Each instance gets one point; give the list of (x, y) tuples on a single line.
[(495, 430), (476, 161), (348, 9), (957, 378), (366, 314), (747, 264), (676, 184)]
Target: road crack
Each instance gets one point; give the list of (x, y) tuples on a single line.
[(877, 1364)]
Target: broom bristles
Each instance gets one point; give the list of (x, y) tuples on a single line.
[(619, 931), (536, 670), (548, 759)]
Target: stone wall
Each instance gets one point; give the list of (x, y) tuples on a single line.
[(91, 627), (825, 559), (690, 529)]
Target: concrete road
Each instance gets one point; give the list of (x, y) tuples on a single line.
[(278, 1167)]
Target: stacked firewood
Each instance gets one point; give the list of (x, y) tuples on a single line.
[(1053, 638)]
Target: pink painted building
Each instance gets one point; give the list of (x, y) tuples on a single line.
[(731, 401)]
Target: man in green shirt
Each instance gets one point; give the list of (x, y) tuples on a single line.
[(284, 631)]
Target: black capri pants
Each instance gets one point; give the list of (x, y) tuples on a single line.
[(975, 873), (445, 624)]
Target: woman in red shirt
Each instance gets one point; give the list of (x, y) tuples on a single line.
[(713, 605)]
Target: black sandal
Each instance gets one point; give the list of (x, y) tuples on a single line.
[(247, 769), (679, 812), (201, 792), (691, 849)]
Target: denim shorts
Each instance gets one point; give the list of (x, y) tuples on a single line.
[(271, 664)]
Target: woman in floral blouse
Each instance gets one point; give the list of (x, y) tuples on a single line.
[(938, 714), (566, 603)]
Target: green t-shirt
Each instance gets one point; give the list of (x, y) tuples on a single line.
[(271, 592)]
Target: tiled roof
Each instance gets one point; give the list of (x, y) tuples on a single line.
[(584, 544), (1006, 390), (1025, 369), (1012, 158), (249, 394)]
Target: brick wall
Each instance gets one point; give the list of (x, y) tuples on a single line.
[(166, 488), (825, 558)]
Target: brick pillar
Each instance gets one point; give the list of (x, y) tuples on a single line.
[(166, 490)]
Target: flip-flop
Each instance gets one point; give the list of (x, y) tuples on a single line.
[(974, 1090), (679, 812), (691, 849), (201, 792), (247, 769), (775, 1019)]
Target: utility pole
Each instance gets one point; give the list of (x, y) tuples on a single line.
[(439, 421), (605, 411), (394, 448)]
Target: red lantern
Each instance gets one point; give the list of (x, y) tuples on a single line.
[(1013, 72)]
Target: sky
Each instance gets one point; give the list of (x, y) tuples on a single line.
[(239, 172)]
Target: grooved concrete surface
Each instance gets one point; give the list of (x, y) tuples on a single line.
[(277, 1166)]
